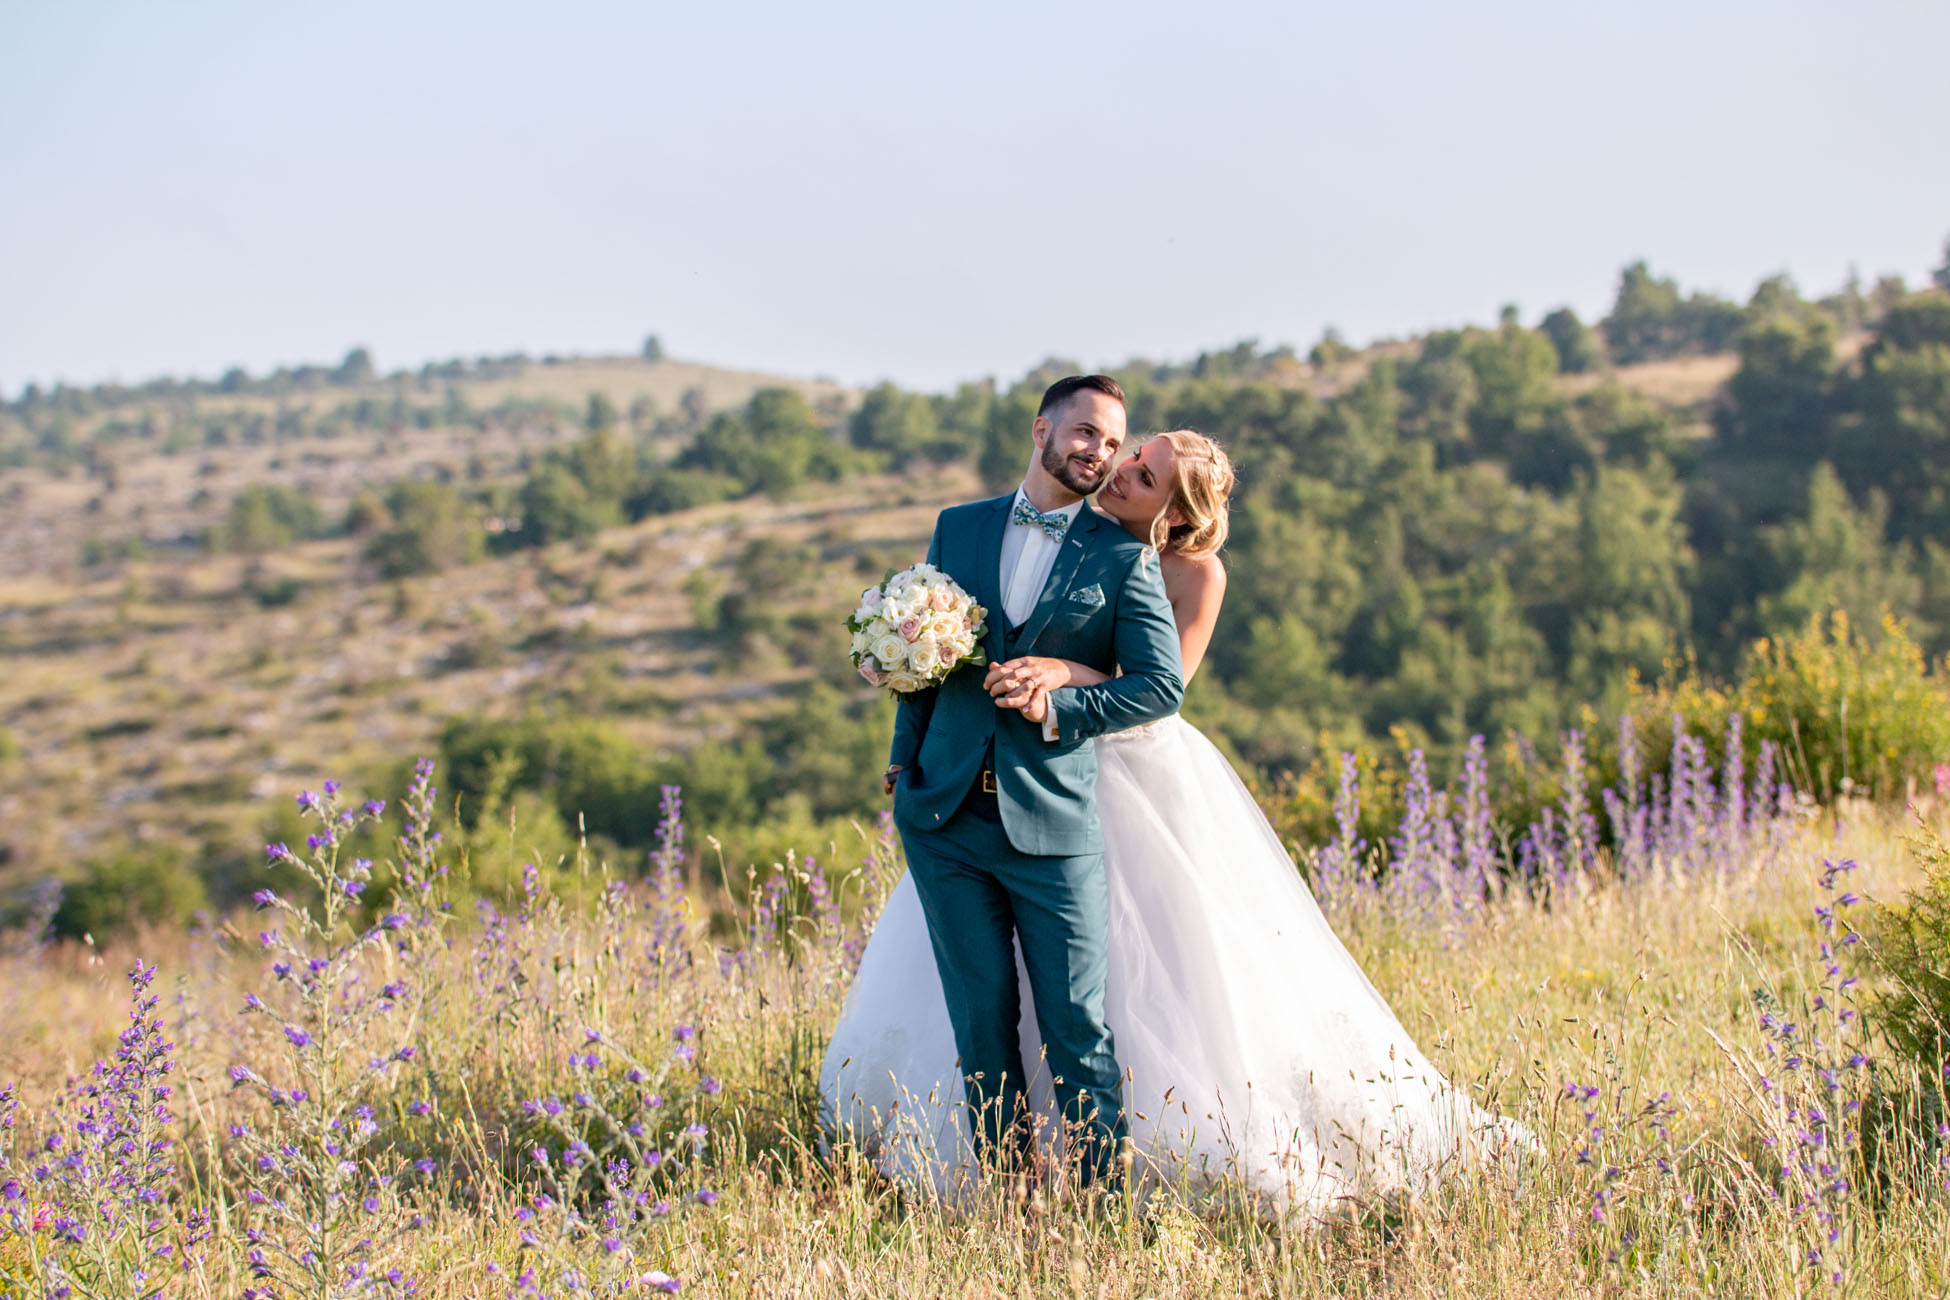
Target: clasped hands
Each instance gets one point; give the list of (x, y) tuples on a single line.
[(1024, 685)]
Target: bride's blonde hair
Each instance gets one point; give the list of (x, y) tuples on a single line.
[(1201, 483)]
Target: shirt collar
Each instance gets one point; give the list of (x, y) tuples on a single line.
[(1069, 512)]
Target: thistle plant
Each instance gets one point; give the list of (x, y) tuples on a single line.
[(94, 1208), (1631, 1166), (1337, 866), (325, 1181), (1812, 1085), (612, 1165)]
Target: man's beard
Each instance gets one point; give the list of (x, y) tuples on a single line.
[(1072, 475)]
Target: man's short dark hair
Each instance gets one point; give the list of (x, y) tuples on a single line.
[(1064, 389)]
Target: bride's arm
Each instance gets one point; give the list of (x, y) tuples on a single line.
[(1199, 591)]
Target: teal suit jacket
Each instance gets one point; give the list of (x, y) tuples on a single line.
[(1104, 605)]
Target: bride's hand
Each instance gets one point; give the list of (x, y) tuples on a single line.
[(1015, 680)]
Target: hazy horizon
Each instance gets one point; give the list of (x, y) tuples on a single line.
[(874, 192)]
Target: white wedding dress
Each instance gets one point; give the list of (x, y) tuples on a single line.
[(1253, 1046)]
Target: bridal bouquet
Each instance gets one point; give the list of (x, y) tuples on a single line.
[(914, 629)]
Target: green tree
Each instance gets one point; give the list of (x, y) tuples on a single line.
[(357, 368), (1650, 319), (1779, 401), (556, 505), (1632, 577), (1514, 369), (600, 416), (1331, 351), (432, 528), (903, 425), (1835, 558), (773, 445), (1900, 443), (265, 517), (1576, 345), (129, 890), (653, 348)]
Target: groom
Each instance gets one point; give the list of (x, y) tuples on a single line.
[(995, 795)]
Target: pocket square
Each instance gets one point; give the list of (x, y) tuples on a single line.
[(1090, 597)]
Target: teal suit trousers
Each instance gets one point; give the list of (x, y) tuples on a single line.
[(978, 892)]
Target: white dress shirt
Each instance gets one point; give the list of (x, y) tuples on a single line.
[(1028, 554)]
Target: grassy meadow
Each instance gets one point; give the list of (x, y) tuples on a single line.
[(1625, 1024)]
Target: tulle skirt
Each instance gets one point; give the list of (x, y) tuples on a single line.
[(1253, 1047)]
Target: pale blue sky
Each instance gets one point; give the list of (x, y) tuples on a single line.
[(920, 191)]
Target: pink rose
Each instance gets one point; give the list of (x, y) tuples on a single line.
[(941, 600), (911, 627), (873, 675), (872, 598)]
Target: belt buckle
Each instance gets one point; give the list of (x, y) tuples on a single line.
[(988, 781)]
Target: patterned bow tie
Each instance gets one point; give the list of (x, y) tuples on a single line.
[(1055, 523)]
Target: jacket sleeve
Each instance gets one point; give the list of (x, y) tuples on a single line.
[(1145, 643), (912, 711)]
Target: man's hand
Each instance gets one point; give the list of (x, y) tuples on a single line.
[(887, 778)]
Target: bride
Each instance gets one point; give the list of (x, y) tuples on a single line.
[(1254, 1047)]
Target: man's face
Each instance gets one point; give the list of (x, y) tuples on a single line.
[(1078, 440)]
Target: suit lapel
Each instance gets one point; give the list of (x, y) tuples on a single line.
[(1076, 542), (988, 574)]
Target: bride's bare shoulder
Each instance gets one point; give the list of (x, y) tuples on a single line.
[(1193, 582)]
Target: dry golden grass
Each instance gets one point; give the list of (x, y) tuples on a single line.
[(1633, 988)]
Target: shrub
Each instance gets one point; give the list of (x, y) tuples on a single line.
[(671, 490), (266, 517), (557, 505), (433, 529), (1850, 712), (129, 889), (1915, 943)]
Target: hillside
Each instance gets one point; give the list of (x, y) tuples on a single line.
[(157, 460), (574, 580)]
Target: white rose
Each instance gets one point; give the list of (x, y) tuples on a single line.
[(904, 681), (891, 650), (956, 648), (861, 643), (924, 656), (943, 626)]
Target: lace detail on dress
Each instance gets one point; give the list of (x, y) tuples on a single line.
[(1142, 729)]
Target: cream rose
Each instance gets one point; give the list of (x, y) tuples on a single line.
[(924, 656), (905, 682), (891, 650)]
